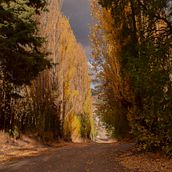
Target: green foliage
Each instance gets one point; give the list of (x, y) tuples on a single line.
[(85, 126), (116, 122), (21, 57), (15, 132)]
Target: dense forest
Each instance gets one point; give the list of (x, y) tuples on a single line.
[(44, 80), (131, 48)]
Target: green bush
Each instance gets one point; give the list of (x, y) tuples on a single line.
[(85, 126)]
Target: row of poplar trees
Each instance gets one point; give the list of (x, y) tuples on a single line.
[(44, 81), (132, 56)]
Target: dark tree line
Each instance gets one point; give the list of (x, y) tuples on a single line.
[(21, 56)]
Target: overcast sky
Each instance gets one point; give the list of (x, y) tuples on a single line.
[(79, 16)]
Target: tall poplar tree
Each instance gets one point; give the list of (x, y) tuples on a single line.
[(145, 36)]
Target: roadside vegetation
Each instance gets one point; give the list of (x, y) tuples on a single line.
[(44, 80), (131, 50)]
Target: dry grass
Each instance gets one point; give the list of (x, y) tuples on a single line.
[(145, 162), (25, 147)]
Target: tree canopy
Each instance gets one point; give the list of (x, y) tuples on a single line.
[(22, 55), (139, 38)]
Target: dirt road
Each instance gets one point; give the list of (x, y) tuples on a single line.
[(72, 158)]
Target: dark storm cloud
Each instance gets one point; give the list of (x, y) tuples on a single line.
[(78, 13)]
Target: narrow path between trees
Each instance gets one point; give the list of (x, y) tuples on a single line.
[(73, 158)]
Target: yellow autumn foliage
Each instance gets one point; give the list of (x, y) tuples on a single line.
[(72, 127)]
